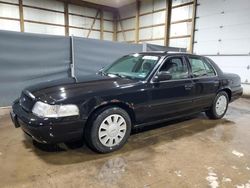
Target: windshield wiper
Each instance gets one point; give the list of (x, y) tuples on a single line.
[(116, 74), (103, 73), (119, 75)]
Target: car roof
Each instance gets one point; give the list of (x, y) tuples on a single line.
[(165, 53)]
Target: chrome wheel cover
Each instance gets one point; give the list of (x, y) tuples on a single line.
[(221, 105), (112, 130)]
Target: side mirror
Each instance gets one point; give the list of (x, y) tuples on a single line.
[(163, 76), (100, 71)]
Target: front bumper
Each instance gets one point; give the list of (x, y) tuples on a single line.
[(47, 130)]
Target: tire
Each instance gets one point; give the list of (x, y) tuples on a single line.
[(108, 130), (219, 107)]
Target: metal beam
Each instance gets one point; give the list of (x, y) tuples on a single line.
[(153, 11), (21, 15), (122, 29), (151, 39), (44, 23), (90, 5), (183, 4), (180, 36), (168, 21), (92, 17), (150, 26), (182, 21), (9, 3), (84, 28), (46, 9), (72, 65), (137, 20), (66, 18), (115, 26), (193, 27), (126, 18), (93, 23), (101, 25), (125, 30), (8, 18)]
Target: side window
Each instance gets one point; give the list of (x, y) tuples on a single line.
[(210, 69), (200, 68), (176, 67)]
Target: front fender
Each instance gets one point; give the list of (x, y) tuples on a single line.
[(95, 103)]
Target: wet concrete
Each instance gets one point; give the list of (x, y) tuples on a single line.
[(193, 152)]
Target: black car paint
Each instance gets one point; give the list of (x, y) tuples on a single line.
[(146, 101)]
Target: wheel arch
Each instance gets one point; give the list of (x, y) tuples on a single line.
[(228, 91), (128, 108)]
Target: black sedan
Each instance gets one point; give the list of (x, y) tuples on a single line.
[(136, 90)]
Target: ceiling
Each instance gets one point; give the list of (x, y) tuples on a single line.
[(112, 3)]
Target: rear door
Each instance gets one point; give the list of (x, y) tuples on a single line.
[(171, 97), (205, 79)]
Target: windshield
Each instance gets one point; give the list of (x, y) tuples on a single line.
[(132, 66)]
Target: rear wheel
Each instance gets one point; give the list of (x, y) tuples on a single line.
[(219, 107), (108, 130)]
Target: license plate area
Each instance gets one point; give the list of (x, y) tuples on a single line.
[(14, 119)]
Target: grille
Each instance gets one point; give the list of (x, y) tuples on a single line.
[(26, 102)]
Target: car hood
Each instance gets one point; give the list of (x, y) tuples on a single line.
[(71, 88)]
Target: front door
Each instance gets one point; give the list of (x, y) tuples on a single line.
[(172, 97)]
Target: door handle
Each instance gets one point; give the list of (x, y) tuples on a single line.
[(189, 86)]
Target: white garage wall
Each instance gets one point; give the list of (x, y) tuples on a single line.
[(236, 64), (224, 26), (222, 33)]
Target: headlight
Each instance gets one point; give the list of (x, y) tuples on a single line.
[(53, 111)]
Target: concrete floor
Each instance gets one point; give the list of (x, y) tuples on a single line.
[(187, 153)]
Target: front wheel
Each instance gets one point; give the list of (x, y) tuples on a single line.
[(108, 130), (219, 107)]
